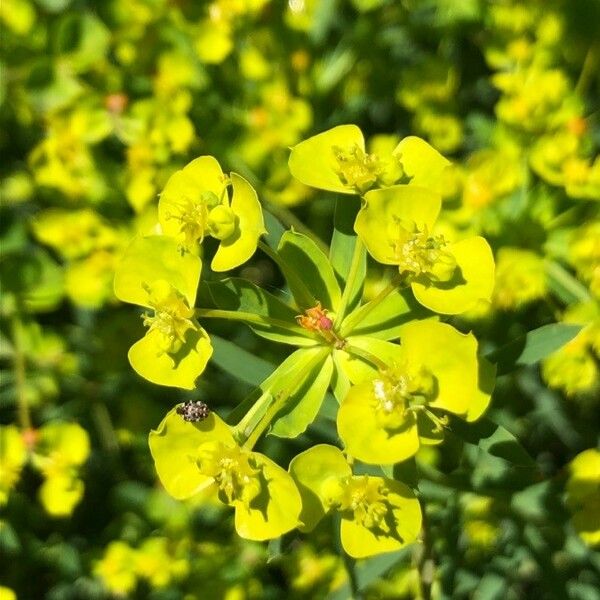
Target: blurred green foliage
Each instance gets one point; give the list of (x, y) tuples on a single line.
[(101, 102)]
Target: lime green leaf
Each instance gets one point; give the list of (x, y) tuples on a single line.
[(179, 369), (286, 379), (343, 242), (274, 229), (473, 281), (311, 471), (377, 221), (244, 296), (273, 512), (237, 249), (240, 363), (532, 347), (403, 517), (422, 163), (303, 406), (174, 446), (386, 319), (364, 436), (149, 259), (311, 268), (313, 161), (340, 382)]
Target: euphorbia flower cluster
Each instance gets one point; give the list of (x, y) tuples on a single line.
[(396, 371)]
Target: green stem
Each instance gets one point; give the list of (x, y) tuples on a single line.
[(308, 300), (356, 317), (561, 276), (366, 355), (282, 397), (20, 373), (287, 217), (350, 281), (247, 317)]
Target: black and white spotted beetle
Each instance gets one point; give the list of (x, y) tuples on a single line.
[(193, 411)]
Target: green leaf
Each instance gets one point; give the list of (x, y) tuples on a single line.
[(493, 439), (493, 458), (532, 347), (278, 382), (274, 229), (240, 363), (308, 268), (386, 319), (370, 570), (340, 382), (303, 406), (242, 295), (564, 285), (343, 242)]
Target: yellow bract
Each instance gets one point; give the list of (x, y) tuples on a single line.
[(377, 514), (389, 413), (395, 224), (266, 501), (195, 203)]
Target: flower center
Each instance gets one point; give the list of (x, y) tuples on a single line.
[(172, 316), (356, 168), (396, 392), (417, 253), (192, 213), (231, 468), (365, 498)]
